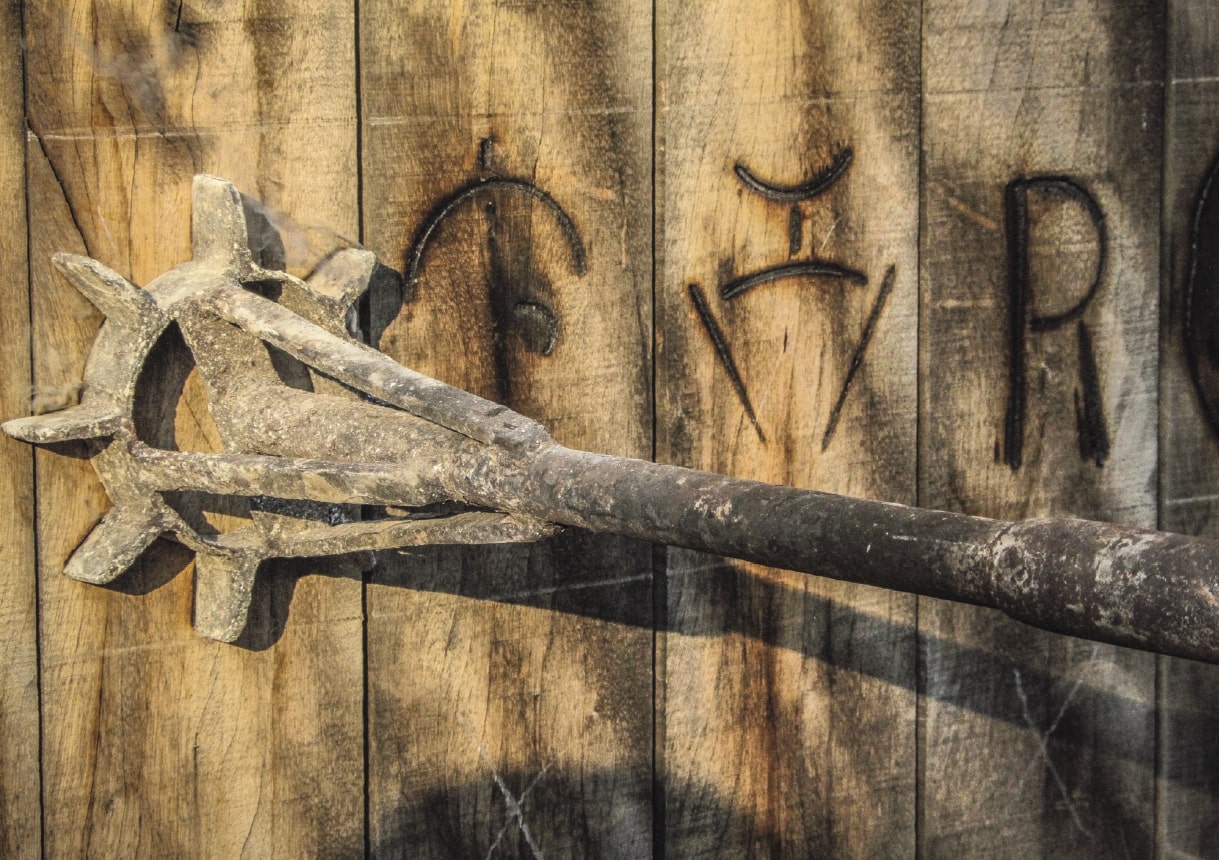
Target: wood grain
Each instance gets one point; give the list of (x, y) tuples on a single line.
[(510, 687), (1188, 717), (20, 803), (788, 701), (1034, 744), (160, 743)]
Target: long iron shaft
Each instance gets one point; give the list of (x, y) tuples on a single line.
[(1106, 582), (416, 441), (1112, 583)]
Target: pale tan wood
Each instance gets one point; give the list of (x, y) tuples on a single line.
[(1033, 744), (20, 804), (514, 675), (160, 743), (1188, 702), (789, 701)]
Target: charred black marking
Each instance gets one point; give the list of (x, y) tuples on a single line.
[(724, 353), (180, 34), (500, 289), (725, 270), (1201, 300), (730, 287), (811, 269), (1021, 320), (820, 182), (1090, 419), (538, 326), (869, 328), (414, 257), (536, 321), (795, 231), (1073, 190)]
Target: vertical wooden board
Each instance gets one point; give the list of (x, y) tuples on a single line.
[(1042, 147), (1188, 798), (788, 162), (507, 165), (160, 743), (20, 810)]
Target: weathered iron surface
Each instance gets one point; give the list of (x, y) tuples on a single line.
[(455, 468)]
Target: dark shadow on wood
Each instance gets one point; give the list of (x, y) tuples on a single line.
[(626, 599), (578, 586), (475, 819)]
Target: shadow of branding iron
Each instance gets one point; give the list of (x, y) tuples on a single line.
[(453, 468)]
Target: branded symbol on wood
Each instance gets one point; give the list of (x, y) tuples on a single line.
[(1023, 320), (733, 288), (514, 303)]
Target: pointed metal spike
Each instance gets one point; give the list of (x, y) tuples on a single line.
[(218, 225), (88, 421), (343, 276), (111, 293), (328, 296), (114, 544), (223, 585)]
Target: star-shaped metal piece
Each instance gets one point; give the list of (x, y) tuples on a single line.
[(301, 505)]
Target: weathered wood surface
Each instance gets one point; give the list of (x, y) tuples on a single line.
[(788, 702), (160, 743), (1188, 701), (1035, 744), (515, 700), (20, 809), (510, 687)]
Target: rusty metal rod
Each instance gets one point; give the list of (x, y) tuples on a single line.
[(1127, 586), (1106, 582)]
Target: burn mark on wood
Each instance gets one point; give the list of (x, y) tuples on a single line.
[(486, 153), (803, 269), (723, 352), (819, 183), (878, 307), (732, 287), (519, 297), (1022, 319), (63, 188), (501, 287), (514, 304), (414, 256), (537, 325), (1090, 416), (1201, 300), (795, 231)]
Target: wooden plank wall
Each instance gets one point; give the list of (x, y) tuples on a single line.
[(510, 687), (20, 802), (1041, 177), (157, 742), (1188, 702), (788, 701), (580, 205)]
